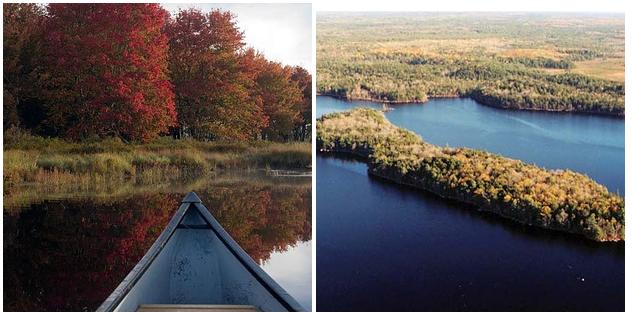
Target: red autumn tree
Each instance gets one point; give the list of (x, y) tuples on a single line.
[(22, 43), (210, 81), (108, 71)]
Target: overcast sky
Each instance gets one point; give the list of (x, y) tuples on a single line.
[(283, 32)]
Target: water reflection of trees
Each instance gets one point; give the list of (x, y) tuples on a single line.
[(262, 219), (70, 254)]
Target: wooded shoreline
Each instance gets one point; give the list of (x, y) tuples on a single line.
[(551, 199), (479, 100)]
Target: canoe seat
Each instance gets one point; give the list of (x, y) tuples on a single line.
[(196, 308)]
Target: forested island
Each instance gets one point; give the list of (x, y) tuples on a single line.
[(99, 92), (560, 200), (525, 61)]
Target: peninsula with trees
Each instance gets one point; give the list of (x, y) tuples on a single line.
[(560, 200)]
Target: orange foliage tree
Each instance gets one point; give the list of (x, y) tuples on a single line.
[(210, 80), (304, 82)]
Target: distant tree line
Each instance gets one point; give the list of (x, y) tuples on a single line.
[(581, 54), (517, 82), (532, 62), (132, 71), (539, 62)]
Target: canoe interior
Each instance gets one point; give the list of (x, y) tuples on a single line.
[(195, 262)]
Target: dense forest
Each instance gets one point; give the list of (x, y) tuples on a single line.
[(547, 62), (132, 71), (554, 199)]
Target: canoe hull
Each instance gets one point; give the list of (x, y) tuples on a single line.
[(195, 261)]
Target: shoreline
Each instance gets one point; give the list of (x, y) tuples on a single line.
[(472, 208), (620, 116), (137, 175), (480, 207), (581, 206), (32, 159), (20, 196)]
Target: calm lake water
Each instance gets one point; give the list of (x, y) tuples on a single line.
[(385, 247), (67, 251)]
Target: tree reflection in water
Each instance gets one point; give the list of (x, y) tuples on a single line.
[(62, 255)]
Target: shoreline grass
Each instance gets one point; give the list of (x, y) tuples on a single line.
[(33, 159)]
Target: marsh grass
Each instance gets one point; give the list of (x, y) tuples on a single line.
[(33, 159)]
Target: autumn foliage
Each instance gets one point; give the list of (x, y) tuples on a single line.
[(305, 82), (108, 73), (131, 71), (22, 40), (560, 200), (211, 85)]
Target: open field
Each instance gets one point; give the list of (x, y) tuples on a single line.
[(612, 69)]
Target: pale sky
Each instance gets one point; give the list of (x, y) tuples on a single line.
[(471, 5), (282, 32)]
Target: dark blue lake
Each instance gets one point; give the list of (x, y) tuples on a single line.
[(385, 247)]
